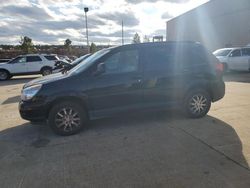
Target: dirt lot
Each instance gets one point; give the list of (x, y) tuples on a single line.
[(143, 150)]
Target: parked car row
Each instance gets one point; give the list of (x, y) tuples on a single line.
[(234, 59), (44, 64), (27, 65)]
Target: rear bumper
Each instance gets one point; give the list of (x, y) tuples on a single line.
[(218, 90), (32, 112)]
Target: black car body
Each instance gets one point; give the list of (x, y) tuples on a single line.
[(125, 78)]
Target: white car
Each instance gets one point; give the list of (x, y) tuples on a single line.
[(234, 58), (27, 65)]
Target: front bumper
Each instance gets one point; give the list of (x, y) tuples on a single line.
[(32, 111)]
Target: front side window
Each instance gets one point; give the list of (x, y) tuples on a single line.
[(122, 62), (245, 52), (18, 60), (33, 58), (235, 53)]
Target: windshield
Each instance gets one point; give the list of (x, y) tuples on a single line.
[(80, 59), (88, 61), (222, 52)]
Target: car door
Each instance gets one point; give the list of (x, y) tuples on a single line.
[(119, 88), (159, 75), (244, 65), (34, 63), (234, 60), (18, 65)]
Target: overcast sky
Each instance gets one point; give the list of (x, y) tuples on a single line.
[(52, 21)]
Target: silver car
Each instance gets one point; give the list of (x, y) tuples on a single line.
[(234, 58)]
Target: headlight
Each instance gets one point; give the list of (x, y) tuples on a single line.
[(29, 92)]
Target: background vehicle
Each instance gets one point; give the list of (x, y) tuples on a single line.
[(28, 64), (234, 58), (4, 60), (61, 65), (122, 79)]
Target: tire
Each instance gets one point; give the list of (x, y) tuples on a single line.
[(62, 116), (4, 75), (46, 71), (195, 109)]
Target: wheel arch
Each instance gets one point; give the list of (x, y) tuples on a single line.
[(197, 86), (73, 99), (45, 67), (6, 70)]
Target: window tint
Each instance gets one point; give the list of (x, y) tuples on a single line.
[(158, 58), (121, 62), (235, 53), (245, 52), (33, 58), (198, 55), (51, 57)]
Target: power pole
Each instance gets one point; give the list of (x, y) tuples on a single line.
[(86, 9), (122, 34)]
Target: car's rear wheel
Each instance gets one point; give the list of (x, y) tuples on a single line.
[(197, 103), (67, 118), (4, 75), (46, 71)]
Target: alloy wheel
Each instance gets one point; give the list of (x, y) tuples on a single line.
[(46, 72), (67, 119), (198, 104)]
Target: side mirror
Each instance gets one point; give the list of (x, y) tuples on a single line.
[(100, 69)]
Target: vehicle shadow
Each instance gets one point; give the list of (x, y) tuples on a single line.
[(211, 132), (10, 100), (17, 80), (236, 76)]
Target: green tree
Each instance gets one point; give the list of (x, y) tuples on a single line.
[(93, 48), (136, 39), (67, 44), (26, 44)]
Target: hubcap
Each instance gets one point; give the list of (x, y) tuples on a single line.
[(67, 119), (46, 72), (198, 104), (3, 75)]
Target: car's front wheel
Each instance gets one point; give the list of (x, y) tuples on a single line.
[(4, 75), (197, 103), (46, 71), (67, 118)]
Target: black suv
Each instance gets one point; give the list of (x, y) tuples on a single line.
[(125, 78)]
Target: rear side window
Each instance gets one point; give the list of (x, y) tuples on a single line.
[(235, 53), (51, 57), (245, 52), (159, 58), (33, 58)]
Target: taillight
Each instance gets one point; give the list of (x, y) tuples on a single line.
[(219, 67)]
